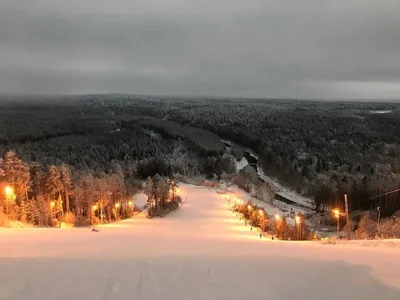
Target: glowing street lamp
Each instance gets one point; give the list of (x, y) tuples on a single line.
[(130, 203), (117, 206), (52, 204), (10, 196), (277, 217), (94, 208), (336, 213), (261, 212), (9, 191)]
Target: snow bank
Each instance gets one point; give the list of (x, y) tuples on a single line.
[(388, 243)]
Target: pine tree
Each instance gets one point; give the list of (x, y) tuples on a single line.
[(156, 179), (318, 167), (36, 214), (10, 163), (148, 189), (37, 179), (162, 192), (59, 204), (282, 229), (16, 173), (22, 212), (2, 173), (30, 212), (53, 183), (65, 179), (366, 227)]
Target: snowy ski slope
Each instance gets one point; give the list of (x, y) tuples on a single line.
[(200, 251)]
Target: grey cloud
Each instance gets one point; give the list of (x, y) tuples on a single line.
[(299, 48)]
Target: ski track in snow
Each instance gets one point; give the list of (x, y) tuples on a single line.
[(201, 251)]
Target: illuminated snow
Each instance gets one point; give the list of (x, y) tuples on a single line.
[(198, 252)]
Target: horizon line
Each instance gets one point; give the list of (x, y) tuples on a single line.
[(197, 97)]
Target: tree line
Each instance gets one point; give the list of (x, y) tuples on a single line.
[(31, 193), (162, 195), (256, 216)]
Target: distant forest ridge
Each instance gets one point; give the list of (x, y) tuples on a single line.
[(77, 96), (320, 149)]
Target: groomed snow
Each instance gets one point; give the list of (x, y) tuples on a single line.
[(200, 251)]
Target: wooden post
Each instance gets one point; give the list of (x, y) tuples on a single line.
[(347, 216)]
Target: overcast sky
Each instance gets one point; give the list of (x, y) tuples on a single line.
[(254, 48)]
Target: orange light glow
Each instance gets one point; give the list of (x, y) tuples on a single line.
[(130, 203), (336, 212), (277, 217), (298, 220), (94, 207), (9, 190), (117, 205)]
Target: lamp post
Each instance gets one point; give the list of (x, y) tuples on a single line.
[(9, 191), (102, 201), (94, 208), (249, 208), (10, 196), (277, 220), (52, 204), (117, 206), (379, 217), (336, 212), (298, 224), (262, 221)]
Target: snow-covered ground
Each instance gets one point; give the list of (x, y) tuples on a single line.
[(390, 243), (201, 251)]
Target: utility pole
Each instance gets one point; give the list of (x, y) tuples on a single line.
[(346, 205), (379, 216)]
